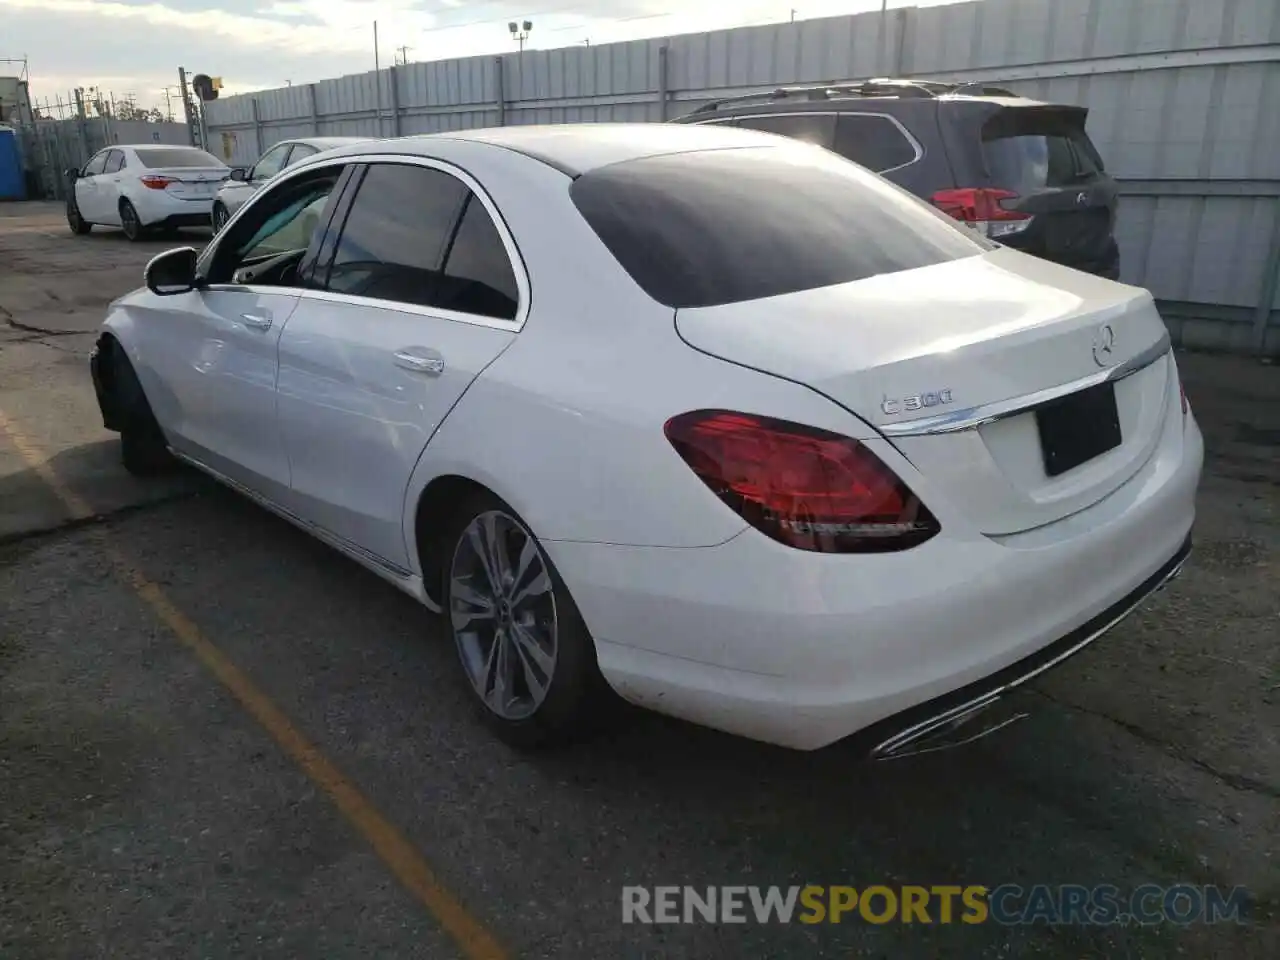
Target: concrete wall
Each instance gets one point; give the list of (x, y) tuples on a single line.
[(1184, 99)]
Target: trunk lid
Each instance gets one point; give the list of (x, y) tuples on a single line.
[(922, 354), (191, 183)]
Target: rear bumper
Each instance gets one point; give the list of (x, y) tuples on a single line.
[(803, 650), (158, 209)]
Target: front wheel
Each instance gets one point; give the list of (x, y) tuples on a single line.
[(129, 221), (143, 448), (79, 226), (525, 651), (220, 217)]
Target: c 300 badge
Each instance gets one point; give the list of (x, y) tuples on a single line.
[(918, 401)]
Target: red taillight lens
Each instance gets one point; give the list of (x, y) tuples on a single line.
[(977, 204), (802, 486), (155, 183)]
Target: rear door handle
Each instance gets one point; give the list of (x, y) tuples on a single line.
[(257, 321), (420, 360)]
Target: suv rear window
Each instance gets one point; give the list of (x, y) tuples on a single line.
[(1030, 149), (158, 158), (721, 226)]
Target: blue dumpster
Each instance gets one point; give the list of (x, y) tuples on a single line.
[(13, 185)]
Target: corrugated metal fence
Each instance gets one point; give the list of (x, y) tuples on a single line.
[(1184, 99)]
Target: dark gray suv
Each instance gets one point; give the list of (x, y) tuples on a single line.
[(1023, 172)]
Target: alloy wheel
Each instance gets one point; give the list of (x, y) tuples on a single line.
[(503, 613)]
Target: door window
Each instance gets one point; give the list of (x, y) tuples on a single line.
[(418, 235), (115, 162), (875, 142), (270, 163), (393, 243), (477, 275), (816, 128), (267, 243), (300, 152), (95, 166)]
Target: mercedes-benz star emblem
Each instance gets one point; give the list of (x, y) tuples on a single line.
[(1104, 344)]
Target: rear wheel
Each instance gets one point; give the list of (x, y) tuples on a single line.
[(129, 221), (79, 226), (220, 216), (143, 448), (525, 651)]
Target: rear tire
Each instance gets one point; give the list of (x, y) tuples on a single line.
[(79, 226), (526, 656), (220, 217), (144, 451), (130, 223)]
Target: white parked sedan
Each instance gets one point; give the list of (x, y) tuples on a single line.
[(722, 420), (244, 182), (144, 187)]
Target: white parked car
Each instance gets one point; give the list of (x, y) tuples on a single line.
[(244, 182), (720, 419), (144, 187)]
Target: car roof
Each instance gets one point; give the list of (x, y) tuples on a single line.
[(153, 146), (326, 143), (577, 148)]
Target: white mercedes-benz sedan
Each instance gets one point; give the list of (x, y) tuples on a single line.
[(711, 418)]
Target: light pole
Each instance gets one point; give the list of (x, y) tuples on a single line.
[(520, 31)]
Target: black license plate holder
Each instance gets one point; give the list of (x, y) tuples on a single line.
[(1078, 427)]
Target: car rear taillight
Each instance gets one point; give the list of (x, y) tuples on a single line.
[(984, 208), (155, 183), (804, 487)]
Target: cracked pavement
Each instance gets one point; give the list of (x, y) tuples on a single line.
[(142, 814)]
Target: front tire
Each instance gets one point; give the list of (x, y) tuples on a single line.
[(143, 448), (79, 226), (220, 217), (129, 222), (525, 652)]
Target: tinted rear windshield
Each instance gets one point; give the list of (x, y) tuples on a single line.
[(157, 158), (1028, 149), (722, 226)]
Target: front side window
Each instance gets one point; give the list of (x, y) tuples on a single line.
[(816, 128), (267, 243), (270, 163), (95, 166), (721, 226)]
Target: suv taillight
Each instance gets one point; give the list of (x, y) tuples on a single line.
[(984, 208), (804, 487)]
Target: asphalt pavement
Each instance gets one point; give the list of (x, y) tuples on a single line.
[(219, 738)]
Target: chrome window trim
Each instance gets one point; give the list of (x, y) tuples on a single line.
[(915, 144), (518, 267), (972, 417)]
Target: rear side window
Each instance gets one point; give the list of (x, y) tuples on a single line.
[(158, 157), (115, 161), (393, 243), (721, 226), (418, 235), (816, 128), (1030, 149), (875, 142)]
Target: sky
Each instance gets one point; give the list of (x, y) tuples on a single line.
[(135, 46)]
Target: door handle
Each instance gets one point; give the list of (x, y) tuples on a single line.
[(431, 363), (256, 320)]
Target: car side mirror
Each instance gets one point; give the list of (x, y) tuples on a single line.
[(73, 173), (239, 173), (171, 272)]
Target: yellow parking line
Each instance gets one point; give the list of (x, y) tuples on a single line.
[(390, 844)]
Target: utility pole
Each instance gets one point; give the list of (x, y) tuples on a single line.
[(402, 55), (377, 77), (186, 106)]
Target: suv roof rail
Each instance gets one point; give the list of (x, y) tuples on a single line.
[(873, 87)]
